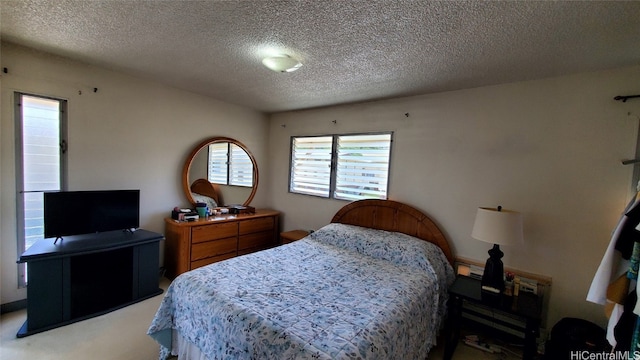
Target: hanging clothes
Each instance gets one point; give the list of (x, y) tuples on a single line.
[(629, 234), (624, 326), (614, 264), (610, 285), (633, 275)]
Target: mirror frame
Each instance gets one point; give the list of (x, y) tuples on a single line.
[(187, 166)]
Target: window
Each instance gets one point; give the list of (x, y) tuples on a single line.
[(229, 164), (311, 165), (217, 169), (346, 167), (40, 163)]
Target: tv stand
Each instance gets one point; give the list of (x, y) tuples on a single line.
[(88, 275)]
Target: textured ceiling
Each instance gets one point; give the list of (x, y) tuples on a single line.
[(351, 50)]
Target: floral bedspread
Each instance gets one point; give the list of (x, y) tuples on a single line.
[(343, 292)]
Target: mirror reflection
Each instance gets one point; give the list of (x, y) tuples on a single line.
[(220, 171)]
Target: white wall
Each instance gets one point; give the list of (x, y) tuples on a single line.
[(550, 149), (132, 134)]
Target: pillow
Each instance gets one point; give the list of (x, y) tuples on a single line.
[(205, 199), (398, 248)]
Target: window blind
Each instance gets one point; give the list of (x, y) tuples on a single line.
[(346, 167), (240, 167), (229, 164), (41, 160), (362, 166), (311, 165), (217, 167), (40, 164)]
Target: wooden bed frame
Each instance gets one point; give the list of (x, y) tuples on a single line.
[(204, 187), (391, 215)]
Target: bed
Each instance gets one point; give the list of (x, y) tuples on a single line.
[(372, 284), (206, 192)]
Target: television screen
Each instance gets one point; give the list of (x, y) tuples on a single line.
[(69, 213)]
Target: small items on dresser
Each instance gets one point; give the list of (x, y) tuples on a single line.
[(241, 209), (183, 214), (202, 210)]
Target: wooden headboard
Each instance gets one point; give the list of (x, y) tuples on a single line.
[(204, 187), (395, 216)]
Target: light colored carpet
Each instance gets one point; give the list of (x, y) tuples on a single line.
[(118, 335)]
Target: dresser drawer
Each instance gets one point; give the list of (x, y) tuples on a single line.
[(262, 240), (211, 260), (256, 225), (213, 248), (213, 231)]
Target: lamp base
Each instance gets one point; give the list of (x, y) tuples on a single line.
[(493, 276)]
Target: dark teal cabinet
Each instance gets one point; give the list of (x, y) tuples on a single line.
[(88, 275)]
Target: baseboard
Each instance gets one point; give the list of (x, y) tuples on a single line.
[(13, 306)]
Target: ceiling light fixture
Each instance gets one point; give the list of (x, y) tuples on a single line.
[(282, 63)]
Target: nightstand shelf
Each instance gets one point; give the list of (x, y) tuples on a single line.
[(506, 313)]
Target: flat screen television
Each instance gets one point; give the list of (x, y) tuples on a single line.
[(69, 213)]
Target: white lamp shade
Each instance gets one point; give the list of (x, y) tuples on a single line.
[(502, 227), (282, 63)]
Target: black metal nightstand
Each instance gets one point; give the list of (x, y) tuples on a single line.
[(526, 306)]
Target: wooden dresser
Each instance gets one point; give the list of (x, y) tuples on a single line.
[(190, 245)]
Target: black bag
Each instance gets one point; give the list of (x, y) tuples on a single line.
[(572, 334)]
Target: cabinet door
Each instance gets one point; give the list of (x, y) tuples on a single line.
[(148, 266), (44, 293)]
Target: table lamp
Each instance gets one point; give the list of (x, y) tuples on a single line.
[(498, 227)]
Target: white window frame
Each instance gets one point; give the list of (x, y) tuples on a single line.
[(21, 193), (318, 166)]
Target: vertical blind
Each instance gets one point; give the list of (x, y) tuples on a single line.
[(347, 167)]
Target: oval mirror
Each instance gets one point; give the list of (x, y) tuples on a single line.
[(222, 169)]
